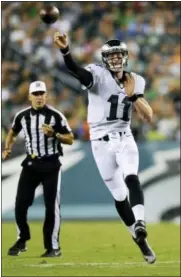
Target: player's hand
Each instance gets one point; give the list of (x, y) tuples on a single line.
[(129, 84), (61, 41), (47, 130), (6, 153)]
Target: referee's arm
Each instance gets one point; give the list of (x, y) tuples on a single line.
[(61, 131), (11, 137), (10, 140), (65, 138)]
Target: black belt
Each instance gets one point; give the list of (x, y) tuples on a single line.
[(106, 137), (44, 158)]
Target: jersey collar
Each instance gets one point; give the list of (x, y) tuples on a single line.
[(40, 111)]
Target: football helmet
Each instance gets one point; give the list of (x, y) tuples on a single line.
[(118, 47)]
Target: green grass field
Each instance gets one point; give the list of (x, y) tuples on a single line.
[(94, 249)]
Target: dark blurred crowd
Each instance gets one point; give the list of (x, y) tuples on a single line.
[(150, 29)]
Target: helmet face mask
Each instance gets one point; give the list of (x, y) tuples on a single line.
[(115, 55)]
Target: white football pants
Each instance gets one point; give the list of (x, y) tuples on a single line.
[(116, 159)]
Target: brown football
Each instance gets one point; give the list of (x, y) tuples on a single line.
[(49, 14)]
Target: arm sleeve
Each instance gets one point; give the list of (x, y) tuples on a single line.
[(84, 76), (16, 125)]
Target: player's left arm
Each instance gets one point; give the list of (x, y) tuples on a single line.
[(134, 87), (143, 109)]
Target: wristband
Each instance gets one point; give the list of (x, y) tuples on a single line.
[(133, 98), (65, 51)]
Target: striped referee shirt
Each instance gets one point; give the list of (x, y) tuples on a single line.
[(30, 121)]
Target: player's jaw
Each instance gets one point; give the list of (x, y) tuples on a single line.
[(115, 62)]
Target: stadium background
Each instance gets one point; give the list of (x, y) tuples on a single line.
[(152, 32)]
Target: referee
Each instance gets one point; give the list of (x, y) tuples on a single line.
[(45, 129)]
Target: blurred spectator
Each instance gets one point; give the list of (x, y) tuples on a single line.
[(151, 30)]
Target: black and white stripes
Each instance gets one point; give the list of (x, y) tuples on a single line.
[(30, 121)]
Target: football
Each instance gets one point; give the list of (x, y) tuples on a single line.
[(49, 14)]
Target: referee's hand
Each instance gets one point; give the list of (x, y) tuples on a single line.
[(6, 153), (47, 130)]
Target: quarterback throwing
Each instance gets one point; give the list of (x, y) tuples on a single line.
[(112, 92)]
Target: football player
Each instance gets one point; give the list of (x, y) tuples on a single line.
[(112, 91)]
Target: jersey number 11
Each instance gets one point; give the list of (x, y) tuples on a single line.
[(113, 99)]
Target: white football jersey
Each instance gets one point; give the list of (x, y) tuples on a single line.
[(109, 109)]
